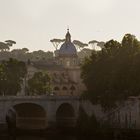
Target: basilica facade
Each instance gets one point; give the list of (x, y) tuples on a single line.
[(64, 70)]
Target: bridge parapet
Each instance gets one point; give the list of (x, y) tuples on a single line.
[(42, 97)]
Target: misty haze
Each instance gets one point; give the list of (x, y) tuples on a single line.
[(69, 70)]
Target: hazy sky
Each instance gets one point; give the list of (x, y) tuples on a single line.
[(32, 23)]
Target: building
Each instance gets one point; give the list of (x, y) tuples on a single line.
[(64, 70)]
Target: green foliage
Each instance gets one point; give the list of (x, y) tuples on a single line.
[(10, 42), (84, 53), (22, 54), (12, 73), (113, 74), (39, 84), (80, 45), (25, 50), (41, 55), (56, 42), (3, 46)]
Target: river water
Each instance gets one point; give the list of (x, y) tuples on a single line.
[(58, 137), (29, 137), (33, 136), (26, 137)]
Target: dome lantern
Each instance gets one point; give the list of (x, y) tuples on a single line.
[(68, 36)]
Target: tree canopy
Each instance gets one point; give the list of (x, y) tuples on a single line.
[(56, 42), (113, 74), (12, 73), (39, 84), (84, 53), (5, 46), (95, 43), (80, 45)]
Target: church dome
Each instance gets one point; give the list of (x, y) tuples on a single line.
[(67, 48)]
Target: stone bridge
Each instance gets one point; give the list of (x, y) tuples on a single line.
[(45, 111), (40, 111)]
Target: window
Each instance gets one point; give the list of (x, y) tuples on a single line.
[(72, 88), (64, 88), (56, 88)]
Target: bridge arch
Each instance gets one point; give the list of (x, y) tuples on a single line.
[(30, 116), (65, 115)]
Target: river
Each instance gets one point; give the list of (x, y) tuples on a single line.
[(27, 137), (34, 136), (31, 137), (54, 135)]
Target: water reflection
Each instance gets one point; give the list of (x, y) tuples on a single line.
[(64, 137), (29, 138)]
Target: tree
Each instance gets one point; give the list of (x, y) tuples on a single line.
[(128, 40), (84, 53), (112, 47), (56, 42), (49, 55), (111, 75), (25, 50), (95, 43), (10, 42), (41, 55), (12, 73), (80, 45), (101, 44), (39, 84), (24, 54), (4, 46)]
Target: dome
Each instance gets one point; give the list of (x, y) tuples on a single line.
[(67, 48)]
